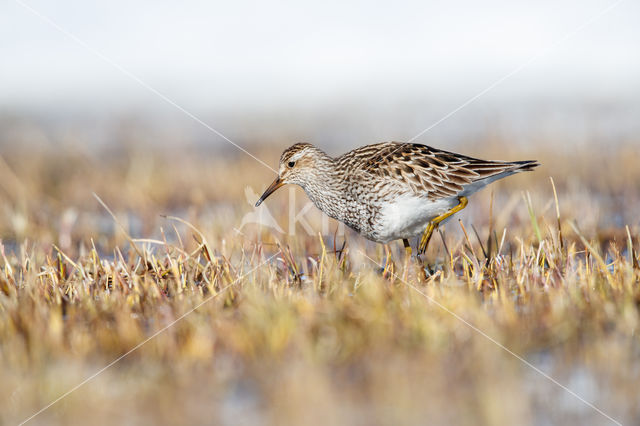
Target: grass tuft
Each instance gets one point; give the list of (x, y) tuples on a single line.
[(258, 326)]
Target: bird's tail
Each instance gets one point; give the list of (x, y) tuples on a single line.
[(524, 166), (493, 171)]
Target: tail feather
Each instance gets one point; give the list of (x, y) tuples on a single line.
[(525, 165), (516, 167)]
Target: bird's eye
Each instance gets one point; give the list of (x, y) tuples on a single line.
[(291, 164)]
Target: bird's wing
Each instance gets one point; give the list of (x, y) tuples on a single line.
[(433, 172)]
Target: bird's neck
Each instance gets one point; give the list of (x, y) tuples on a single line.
[(326, 190)]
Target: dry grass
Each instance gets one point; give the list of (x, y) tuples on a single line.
[(286, 330)]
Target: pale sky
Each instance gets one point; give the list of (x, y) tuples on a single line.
[(244, 56), (216, 53)]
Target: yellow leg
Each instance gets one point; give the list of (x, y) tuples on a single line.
[(388, 264), (407, 257), (426, 237), (407, 247)]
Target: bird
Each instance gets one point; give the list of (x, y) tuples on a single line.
[(392, 190)]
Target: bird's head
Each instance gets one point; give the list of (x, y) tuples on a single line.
[(298, 164)]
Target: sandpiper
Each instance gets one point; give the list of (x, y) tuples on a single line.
[(392, 190)]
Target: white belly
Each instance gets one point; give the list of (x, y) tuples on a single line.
[(409, 215)]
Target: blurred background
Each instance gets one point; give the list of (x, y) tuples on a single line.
[(330, 72), (142, 102)]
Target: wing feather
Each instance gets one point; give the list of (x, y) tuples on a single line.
[(430, 171)]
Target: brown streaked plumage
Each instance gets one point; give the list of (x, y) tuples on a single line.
[(392, 190)]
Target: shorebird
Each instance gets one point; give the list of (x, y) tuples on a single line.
[(392, 190)]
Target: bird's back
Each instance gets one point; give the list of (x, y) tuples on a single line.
[(425, 171)]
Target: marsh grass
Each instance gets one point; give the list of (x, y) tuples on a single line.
[(260, 327)]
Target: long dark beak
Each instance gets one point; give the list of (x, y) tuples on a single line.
[(270, 190)]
